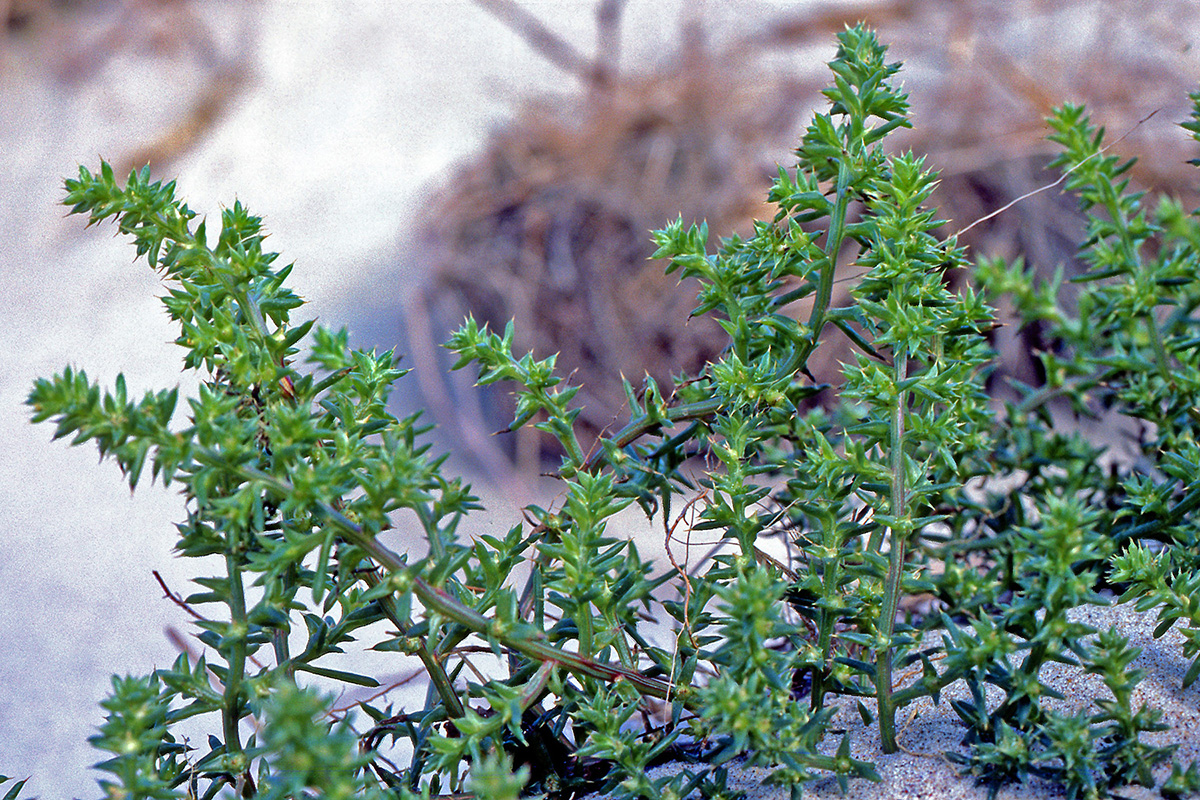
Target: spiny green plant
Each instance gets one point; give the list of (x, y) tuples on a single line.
[(290, 475), (14, 791)]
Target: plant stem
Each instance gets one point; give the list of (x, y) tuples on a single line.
[(531, 644), (433, 665), (236, 632), (1189, 503), (898, 506), (824, 293), (831, 574), (279, 643), (1161, 360), (523, 638), (644, 423), (583, 621)]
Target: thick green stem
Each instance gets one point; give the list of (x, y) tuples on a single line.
[(566, 435), (898, 506), (528, 641), (1161, 360), (437, 547), (824, 293), (583, 622), (283, 656), (236, 632), (831, 574)]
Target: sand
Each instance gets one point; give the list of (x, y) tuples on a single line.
[(927, 732)]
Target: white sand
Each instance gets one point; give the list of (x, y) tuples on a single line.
[(921, 772)]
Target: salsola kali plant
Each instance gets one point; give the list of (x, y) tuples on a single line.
[(881, 480)]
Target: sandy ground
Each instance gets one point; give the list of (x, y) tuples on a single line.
[(927, 732), (343, 116)]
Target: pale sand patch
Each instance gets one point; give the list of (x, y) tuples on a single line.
[(928, 731)]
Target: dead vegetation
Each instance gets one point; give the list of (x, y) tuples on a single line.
[(548, 225), (175, 66)]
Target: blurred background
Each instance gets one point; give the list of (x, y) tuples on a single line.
[(420, 160)]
